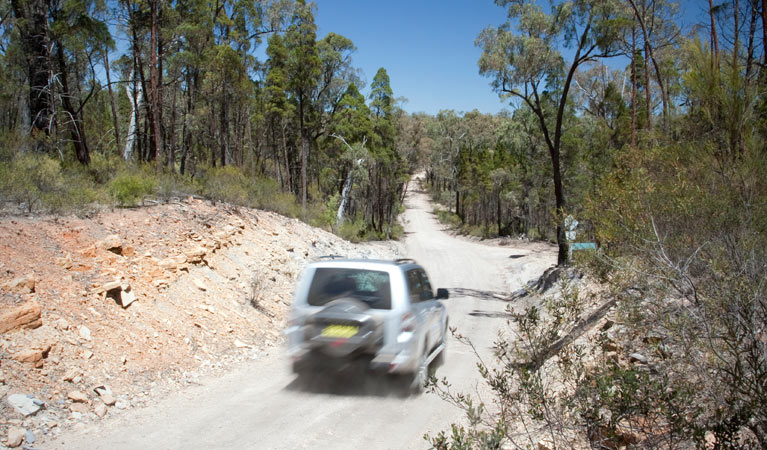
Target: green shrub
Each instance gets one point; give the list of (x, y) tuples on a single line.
[(268, 195), (171, 185), (33, 180), (130, 190), (353, 230), (228, 184), (38, 182), (448, 218), (105, 167)]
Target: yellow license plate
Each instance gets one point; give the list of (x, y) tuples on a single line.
[(340, 331)]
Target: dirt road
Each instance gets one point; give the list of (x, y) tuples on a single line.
[(263, 406)]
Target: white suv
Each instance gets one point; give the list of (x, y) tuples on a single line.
[(383, 313)]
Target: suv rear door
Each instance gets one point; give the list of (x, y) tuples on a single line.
[(422, 300)]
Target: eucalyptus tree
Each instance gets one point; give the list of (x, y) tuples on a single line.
[(353, 129), (303, 69), (388, 171), (524, 59), (33, 25), (447, 131), (336, 75), (62, 41), (413, 140), (278, 109)]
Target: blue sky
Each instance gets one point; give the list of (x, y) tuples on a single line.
[(427, 46)]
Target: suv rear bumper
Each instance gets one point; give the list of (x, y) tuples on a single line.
[(398, 359)]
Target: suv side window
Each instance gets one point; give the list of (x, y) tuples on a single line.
[(415, 285), (426, 291)]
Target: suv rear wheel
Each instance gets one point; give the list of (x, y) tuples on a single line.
[(421, 374)]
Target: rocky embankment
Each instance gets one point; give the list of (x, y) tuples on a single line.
[(107, 313)]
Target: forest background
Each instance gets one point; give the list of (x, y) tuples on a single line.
[(662, 162)]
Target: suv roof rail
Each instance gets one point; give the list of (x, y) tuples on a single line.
[(330, 257), (405, 261)]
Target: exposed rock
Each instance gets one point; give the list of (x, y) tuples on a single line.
[(24, 405), (545, 445), (72, 373), (101, 390), (20, 285), (15, 436), (4, 390), (61, 324), (127, 296), (610, 346), (30, 437), (174, 263), (111, 286), (77, 396), (85, 332), (239, 344), (108, 399), (80, 408), (199, 284), (638, 357), (32, 355), (65, 262), (113, 244), (106, 395), (100, 409), (195, 255), (24, 316)]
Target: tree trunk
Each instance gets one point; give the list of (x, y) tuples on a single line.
[(764, 29), (224, 131), (112, 103), (135, 96), (154, 93), (345, 192), (304, 153), (750, 49), (714, 39), (288, 179), (212, 133), (248, 145), (77, 132), (647, 95), (633, 88), (275, 152), (35, 43), (171, 145)]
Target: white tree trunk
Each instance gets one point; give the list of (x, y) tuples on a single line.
[(344, 198), (346, 191), (136, 97)]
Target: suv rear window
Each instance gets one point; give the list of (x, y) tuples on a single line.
[(369, 286)]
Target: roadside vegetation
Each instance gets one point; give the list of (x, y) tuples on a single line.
[(664, 165), (186, 108)]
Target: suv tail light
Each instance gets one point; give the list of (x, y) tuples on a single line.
[(408, 322)]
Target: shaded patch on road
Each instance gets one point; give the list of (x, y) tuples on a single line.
[(516, 256), (350, 382), (476, 293), (491, 314)]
